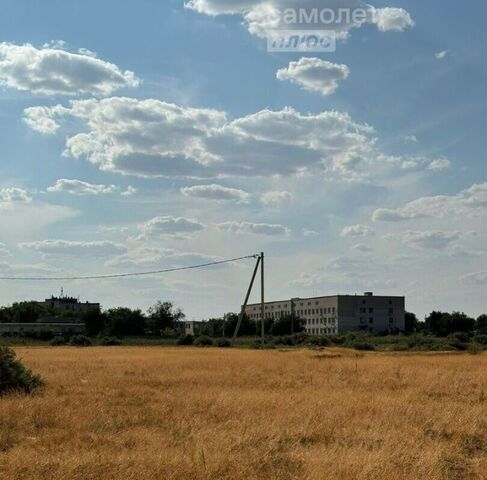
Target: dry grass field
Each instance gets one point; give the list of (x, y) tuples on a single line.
[(154, 413)]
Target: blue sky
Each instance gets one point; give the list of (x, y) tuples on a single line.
[(170, 140)]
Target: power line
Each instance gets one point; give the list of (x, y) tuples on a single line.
[(125, 275)]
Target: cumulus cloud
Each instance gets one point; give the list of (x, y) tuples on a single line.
[(170, 227), (157, 258), (53, 71), (216, 193), (357, 231), (315, 75), (392, 19), (14, 195), (471, 202), (309, 233), (78, 187), (151, 138), (75, 248), (253, 228), (276, 198), (415, 162), (156, 139), (431, 239), (262, 16)]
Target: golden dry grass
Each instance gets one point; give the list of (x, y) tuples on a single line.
[(153, 413)]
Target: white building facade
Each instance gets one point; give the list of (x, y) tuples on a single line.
[(337, 314)]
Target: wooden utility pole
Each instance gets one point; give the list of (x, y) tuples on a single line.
[(262, 296), (249, 291)]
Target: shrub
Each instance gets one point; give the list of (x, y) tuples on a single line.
[(110, 342), (320, 341), (203, 341), (475, 349), (186, 340), (482, 339), (14, 376), (80, 341), (223, 343), (57, 342), (361, 345)]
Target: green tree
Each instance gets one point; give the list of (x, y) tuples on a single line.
[(412, 323), (287, 325), (482, 324), (247, 328), (164, 315), (125, 322), (95, 322), (461, 322)]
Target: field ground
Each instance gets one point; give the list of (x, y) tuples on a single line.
[(128, 413)]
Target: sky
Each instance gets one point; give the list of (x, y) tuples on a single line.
[(147, 135)]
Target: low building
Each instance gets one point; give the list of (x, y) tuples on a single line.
[(62, 316), (188, 328), (38, 328), (337, 314)]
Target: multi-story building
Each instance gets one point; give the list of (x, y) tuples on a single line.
[(68, 304), (331, 315)]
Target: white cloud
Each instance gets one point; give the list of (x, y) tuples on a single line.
[(262, 16), (156, 139), (150, 138), (309, 233), (442, 55), (78, 187), (362, 248), (170, 226), (392, 19), (357, 231), (216, 193), (411, 139), (439, 164), (42, 119), (129, 191), (431, 239), (415, 162), (159, 258), (253, 228), (276, 198), (315, 75), (4, 251), (471, 202), (75, 248), (14, 195), (476, 278), (52, 71)]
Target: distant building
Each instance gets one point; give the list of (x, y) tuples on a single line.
[(331, 315), (188, 328), (68, 304), (68, 323)]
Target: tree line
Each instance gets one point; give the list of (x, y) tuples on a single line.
[(163, 319)]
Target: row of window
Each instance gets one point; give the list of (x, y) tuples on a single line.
[(320, 321), (322, 331), (316, 311)]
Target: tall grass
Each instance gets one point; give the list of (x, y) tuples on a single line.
[(189, 413)]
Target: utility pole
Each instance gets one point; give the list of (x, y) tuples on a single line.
[(262, 298), (249, 291)]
